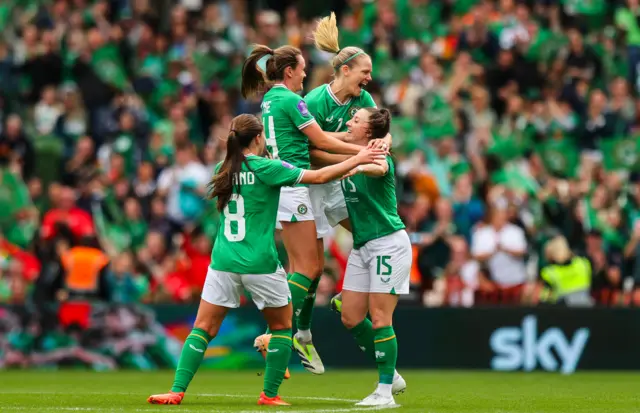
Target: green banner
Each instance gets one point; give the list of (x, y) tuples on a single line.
[(621, 153), (560, 157)]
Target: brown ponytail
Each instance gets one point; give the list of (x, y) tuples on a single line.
[(254, 78), (244, 129)]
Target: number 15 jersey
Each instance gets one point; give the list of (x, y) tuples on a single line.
[(245, 241)]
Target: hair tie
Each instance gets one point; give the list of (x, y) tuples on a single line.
[(348, 59), (262, 62)]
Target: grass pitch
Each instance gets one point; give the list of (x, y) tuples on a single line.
[(335, 391)]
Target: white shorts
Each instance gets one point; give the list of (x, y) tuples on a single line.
[(382, 265), (329, 206), (295, 205), (267, 290)]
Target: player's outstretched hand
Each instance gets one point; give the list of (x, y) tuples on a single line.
[(350, 173), (370, 155)]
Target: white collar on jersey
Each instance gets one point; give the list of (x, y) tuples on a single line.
[(279, 85), (335, 98)]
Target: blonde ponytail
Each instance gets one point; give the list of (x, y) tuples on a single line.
[(326, 39), (326, 34)]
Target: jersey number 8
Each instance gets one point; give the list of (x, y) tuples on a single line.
[(237, 217)]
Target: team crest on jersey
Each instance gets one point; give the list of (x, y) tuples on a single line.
[(354, 110), (302, 108), (302, 209)]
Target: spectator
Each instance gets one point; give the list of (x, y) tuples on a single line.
[(84, 272), (568, 276), (47, 111), (124, 287), (16, 149), (65, 212), (83, 164), (184, 186), (501, 246)]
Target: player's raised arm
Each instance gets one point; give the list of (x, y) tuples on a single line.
[(329, 173), (322, 140)]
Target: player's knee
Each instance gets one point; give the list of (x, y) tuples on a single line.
[(280, 325), (380, 318), (350, 320), (311, 269), (207, 325)]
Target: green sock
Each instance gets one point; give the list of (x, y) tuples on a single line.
[(278, 355), (306, 313), (192, 354), (386, 353), (365, 336), (299, 286)]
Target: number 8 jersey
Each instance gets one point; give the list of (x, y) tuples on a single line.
[(245, 241)]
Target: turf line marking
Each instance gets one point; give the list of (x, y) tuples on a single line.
[(328, 399), (238, 396), (183, 409)]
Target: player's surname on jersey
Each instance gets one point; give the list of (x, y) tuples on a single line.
[(244, 178)]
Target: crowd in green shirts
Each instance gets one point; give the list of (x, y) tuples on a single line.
[(535, 100)]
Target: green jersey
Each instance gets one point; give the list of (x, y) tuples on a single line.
[(284, 116), (245, 240), (331, 114), (372, 206)]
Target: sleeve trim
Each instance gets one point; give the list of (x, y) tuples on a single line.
[(302, 171), (307, 123)]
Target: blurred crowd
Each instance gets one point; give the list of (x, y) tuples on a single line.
[(516, 135)]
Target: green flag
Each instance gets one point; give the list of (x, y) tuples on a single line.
[(560, 156), (620, 153), (108, 65)]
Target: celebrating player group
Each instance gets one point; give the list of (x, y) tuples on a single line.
[(328, 164)]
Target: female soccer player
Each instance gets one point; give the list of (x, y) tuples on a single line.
[(380, 262), (290, 128), (332, 106), (247, 192)]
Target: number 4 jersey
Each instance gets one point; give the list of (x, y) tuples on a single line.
[(284, 116), (245, 241)]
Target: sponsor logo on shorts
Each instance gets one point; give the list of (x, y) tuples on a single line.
[(385, 280), (302, 209)]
